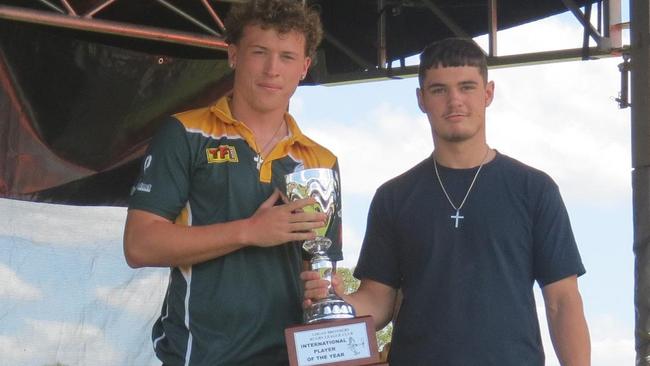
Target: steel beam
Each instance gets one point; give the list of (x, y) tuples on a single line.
[(52, 6), (640, 114), (535, 58), (188, 17), (492, 27), (111, 27), (215, 17), (586, 23), (381, 34), (356, 58), (98, 8)]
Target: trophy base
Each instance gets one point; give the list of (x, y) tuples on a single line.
[(348, 342), (329, 309)]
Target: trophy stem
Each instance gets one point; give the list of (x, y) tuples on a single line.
[(332, 306)]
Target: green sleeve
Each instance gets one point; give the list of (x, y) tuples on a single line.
[(163, 185)]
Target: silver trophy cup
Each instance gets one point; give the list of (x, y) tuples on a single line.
[(323, 185)]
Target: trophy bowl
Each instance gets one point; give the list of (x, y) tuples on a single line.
[(323, 185)]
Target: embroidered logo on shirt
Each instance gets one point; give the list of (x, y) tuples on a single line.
[(147, 163), (222, 154), (143, 187)]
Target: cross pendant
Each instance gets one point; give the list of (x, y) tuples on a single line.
[(457, 217), (258, 159)]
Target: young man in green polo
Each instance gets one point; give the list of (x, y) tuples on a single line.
[(206, 201)]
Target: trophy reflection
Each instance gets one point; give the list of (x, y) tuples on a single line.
[(323, 185)]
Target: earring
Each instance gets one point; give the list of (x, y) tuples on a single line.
[(302, 77)]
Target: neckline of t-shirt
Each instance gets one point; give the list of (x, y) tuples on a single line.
[(497, 157)]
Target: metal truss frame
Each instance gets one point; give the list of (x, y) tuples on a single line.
[(606, 33), (67, 16)]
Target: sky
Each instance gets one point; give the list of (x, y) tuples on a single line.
[(66, 294)]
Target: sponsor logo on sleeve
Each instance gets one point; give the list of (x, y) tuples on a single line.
[(147, 163), (143, 187), (140, 187), (222, 154)]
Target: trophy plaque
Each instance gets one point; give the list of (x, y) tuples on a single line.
[(331, 335)]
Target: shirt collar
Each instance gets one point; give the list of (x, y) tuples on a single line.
[(222, 110)]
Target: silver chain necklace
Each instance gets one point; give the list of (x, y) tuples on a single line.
[(457, 216), (258, 158)]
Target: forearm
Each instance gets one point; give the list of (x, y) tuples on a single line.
[(378, 304), (164, 244), (151, 240), (569, 331)]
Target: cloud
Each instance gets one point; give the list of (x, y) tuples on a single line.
[(380, 146), (613, 351), (92, 334), (612, 342), (48, 342), (562, 117), (61, 225), (297, 105), (563, 120), (141, 295), (14, 352), (352, 239), (14, 288)]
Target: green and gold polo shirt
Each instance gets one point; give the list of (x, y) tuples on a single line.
[(232, 310)]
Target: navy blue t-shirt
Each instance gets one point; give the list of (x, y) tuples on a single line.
[(468, 291)]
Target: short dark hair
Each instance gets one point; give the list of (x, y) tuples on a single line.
[(452, 52), (282, 15)]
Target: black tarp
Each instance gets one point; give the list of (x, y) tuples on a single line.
[(77, 107)]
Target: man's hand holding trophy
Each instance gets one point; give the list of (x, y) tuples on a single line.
[(332, 334)]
